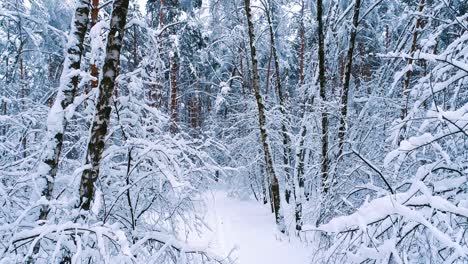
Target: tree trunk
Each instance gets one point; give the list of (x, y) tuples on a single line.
[(174, 101), (103, 107), (136, 60), (347, 78), (262, 122), (407, 81), (4, 112), (302, 47), (322, 83), (300, 151), (299, 169), (387, 38), (241, 70), (56, 120), (94, 20), (279, 90), (162, 4), (267, 85)]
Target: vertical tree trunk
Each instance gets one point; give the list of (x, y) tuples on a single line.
[(56, 120), (347, 78), (155, 91), (407, 81), (161, 12), (174, 101), (279, 89), (322, 83), (136, 60), (23, 93), (4, 112), (103, 107), (241, 70), (173, 61), (267, 85), (94, 20), (387, 38), (302, 47), (300, 151), (299, 172), (264, 190), (94, 12), (262, 122), (7, 62)]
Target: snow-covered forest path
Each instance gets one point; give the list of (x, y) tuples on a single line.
[(249, 226)]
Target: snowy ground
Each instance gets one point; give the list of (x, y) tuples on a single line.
[(249, 227)]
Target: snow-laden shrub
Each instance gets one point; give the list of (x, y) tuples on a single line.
[(421, 215), (147, 197)]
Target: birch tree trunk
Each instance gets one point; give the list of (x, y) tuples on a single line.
[(299, 173), (347, 77), (262, 122), (103, 107), (56, 119), (300, 151), (407, 81), (322, 83), (94, 20), (279, 89)]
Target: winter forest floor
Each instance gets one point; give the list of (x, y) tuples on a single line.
[(248, 227)]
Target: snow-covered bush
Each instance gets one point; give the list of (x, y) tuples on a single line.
[(421, 214)]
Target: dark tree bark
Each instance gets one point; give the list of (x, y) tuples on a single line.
[(347, 77), (167, 14), (414, 42), (267, 85), (161, 12), (274, 185), (56, 120), (103, 107), (300, 151), (302, 47), (174, 101), (289, 189), (299, 191), (94, 20), (409, 73), (322, 83)]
